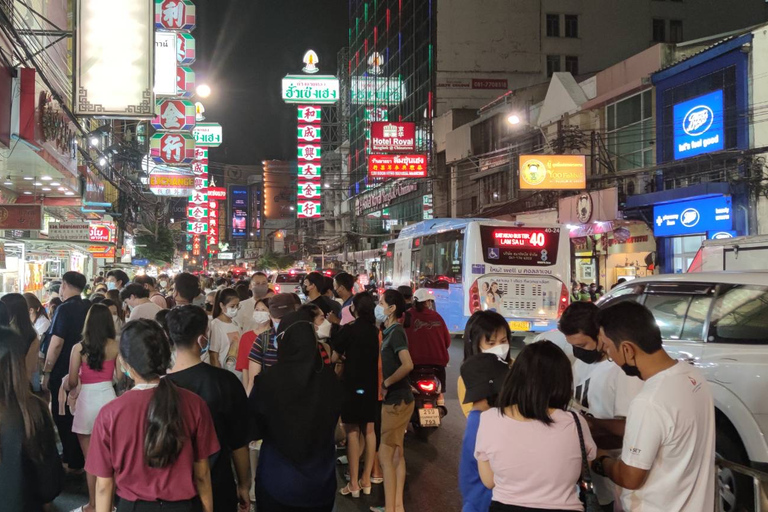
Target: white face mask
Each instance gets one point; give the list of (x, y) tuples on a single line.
[(260, 317), (231, 312), (324, 331), (164, 284), (501, 351)]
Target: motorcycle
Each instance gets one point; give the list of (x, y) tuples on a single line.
[(427, 414)]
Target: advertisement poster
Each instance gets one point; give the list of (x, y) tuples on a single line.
[(239, 204), (513, 296), (553, 172), (699, 125)]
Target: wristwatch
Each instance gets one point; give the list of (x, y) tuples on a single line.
[(597, 465)]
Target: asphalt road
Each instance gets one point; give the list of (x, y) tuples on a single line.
[(432, 465)]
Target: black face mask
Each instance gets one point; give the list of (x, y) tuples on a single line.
[(587, 356), (631, 371), (208, 306)]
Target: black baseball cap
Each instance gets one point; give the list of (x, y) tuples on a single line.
[(281, 304), (483, 375)]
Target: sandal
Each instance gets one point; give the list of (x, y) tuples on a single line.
[(377, 480), (346, 491), (366, 490)]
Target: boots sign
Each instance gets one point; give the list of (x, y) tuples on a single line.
[(393, 137)]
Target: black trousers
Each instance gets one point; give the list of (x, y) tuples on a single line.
[(72, 454), (266, 503), (193, 505)]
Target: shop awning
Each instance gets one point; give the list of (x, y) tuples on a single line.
[(678, 194)]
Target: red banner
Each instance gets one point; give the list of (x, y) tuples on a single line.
[(393, 137), (397, 166), (21, 216)]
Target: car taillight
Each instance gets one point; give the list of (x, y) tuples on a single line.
[(563, 304), (474, 298), (427, 386), (277, 288)]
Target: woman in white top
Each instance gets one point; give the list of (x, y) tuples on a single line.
[(37, 314), (225, 333), (528, 448)]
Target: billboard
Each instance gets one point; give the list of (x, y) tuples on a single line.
[(315, 90), (239, 207), (393, 137), (698, 125), (692, 217), (114, 46), (553, 172), (165, 63), (21, 216), (397, 166)]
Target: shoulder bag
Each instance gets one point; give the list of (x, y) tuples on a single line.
[(586, 490)]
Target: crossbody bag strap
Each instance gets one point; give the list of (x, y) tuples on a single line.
[(586, 477)]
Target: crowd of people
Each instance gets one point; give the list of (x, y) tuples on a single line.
[(187, 394)]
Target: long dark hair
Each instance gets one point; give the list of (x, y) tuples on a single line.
[(98, 328), (18, 312), (395, 298), (114, 296), (364, 307), (222, 297), (16, 392), (540, 379), (34, 303), (144, 346)]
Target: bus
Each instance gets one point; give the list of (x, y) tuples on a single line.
[(520, 271)]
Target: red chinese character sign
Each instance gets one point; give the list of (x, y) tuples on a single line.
[(172, 148), (175, 115), (309, 190), (213, 226), (309, 114), (309, 171), (175, 15), (393, 137), (397, 166), (308, 209), (186, 49)]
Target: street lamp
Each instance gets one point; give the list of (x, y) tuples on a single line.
[(203, 90), (514, 119)]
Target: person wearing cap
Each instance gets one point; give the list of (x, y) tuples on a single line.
[(264, 350), (428, 336), (483, 375)]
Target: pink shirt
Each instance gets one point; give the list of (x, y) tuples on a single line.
[(534, 465), (91, 376)]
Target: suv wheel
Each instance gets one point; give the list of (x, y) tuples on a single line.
[(736, 492)]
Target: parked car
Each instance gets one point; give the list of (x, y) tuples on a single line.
[(717, 322), (289, 282)]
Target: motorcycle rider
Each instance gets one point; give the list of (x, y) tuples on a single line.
[(428, 336)]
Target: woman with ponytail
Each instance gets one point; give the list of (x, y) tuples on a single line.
[(151, 445)]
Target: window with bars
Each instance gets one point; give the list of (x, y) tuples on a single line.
[(630, 131)]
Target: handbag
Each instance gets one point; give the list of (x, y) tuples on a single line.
[(586, 490)]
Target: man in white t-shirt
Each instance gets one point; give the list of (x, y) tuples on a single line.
[(601, 389), (137, 299), (667, 459)]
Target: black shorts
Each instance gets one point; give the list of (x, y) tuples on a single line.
[(501, 507)]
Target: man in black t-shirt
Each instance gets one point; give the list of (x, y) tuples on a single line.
[(66, 331), (315, 288), (226, 399)]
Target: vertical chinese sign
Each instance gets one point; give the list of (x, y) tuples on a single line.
[(207, 135), (310, 93)]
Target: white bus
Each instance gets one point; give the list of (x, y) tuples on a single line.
[(521, 271)]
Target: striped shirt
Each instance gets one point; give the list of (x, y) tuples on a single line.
[(264, 350)]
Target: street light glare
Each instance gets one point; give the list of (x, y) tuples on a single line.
[(514, 119), (203, 90)]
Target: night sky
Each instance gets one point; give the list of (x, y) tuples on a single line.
[(244, 48)]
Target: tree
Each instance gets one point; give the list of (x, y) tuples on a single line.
[(157, 248), (271, 260)]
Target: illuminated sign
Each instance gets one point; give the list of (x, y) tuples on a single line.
[(309, 152), (309, 114), (520, 246), (82, 231), (308, 209), (309, 171), (172, 148), (308, 133), (209, 135), (393, 137), (175, 15), (186, 49), (316, 89), (113, 73), (377, 90), (699, 125), (197, 228), (310, 60), (174, 115), (309, 190), (217, 193), (721, 235), (165, 63), (185, 82), (553, 172), (169, 184), (397, 166), (695, 216), (239, 206)]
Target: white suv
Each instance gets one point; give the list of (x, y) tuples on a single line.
[(719, 323)]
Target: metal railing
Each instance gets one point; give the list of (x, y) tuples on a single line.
[(759, 482)]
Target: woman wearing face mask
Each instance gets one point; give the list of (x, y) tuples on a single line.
[(225, 333), (92, 365), (115, 316), (396, 365), (210, 300), (260, 322), (486, 332)]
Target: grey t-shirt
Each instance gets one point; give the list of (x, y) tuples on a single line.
[(395, 340)]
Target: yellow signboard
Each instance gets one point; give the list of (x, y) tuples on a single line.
[(553, 172)]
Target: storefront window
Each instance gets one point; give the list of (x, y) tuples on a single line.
[(684, 249), (631, 131)]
